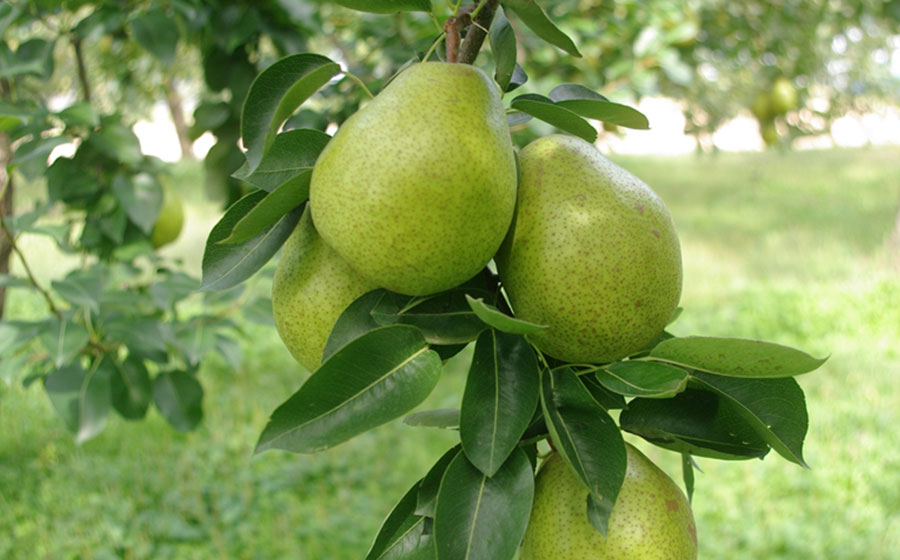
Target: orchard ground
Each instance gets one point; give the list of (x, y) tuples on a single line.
[(788, 247)]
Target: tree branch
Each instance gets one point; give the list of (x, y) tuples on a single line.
[(82, 72), (477, 32)]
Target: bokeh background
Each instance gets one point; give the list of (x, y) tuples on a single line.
[(793, 238)]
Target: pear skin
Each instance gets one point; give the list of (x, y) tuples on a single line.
[(651, 519), (312, 286), (592, 253), (170, 220), (417, 189)]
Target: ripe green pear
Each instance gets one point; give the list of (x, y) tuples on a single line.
[(651, 519), (592, 253), (783, 96), (417, 189), (170, 220), (312, 286)]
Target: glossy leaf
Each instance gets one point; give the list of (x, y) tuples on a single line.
[(519, 77), (445, 418), (291, 158), (604, 397), (156, 32), (534, 17), (131, 389), (444, 318), (179, 397), (736, 357), (592, 105), (585, 436), (403, 535), (356, 320), (687, 473), (275, 94), (598, 513), (643, 379), (477, 517), (501, 395), (494, 318), (545, 109), (503, 47), (269, 210), (371, 380), (776, 408), (141, 196), (387, 6), (431, 482), (697, 422), (226, 266)]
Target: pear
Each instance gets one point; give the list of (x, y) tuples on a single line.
[(417, 189), (312, 286), (170, 219), (783, 96), (650, 520), (592, 253)]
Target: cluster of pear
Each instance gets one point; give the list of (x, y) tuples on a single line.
[(771, 103), (419, 190)]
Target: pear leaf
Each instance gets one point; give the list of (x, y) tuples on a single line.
[(496, 319), (477, 516), (387, 6), (371, 380), (154, 30), (534, 17), (503, 47), (179, 397), (444, 318), (404, 535), (592, 105), (293, 154), (735, 357), (545, 109), (274, 96), (445, 418), (271, 208), (431, 483), (598, 513), (501, 395), (356, 320), (226, 266), (687, 472), (585, 436), (643, 379)]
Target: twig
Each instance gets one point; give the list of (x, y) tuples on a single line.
[(484, 15), (82, 72)]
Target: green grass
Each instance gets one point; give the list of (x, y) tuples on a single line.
[(788, 248)]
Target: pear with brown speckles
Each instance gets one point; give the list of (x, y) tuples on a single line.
[(417, 189), (592, 253), (312, 286), (651, 519)]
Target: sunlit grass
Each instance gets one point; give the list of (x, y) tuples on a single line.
[(788, 248)]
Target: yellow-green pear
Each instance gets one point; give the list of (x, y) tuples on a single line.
[(312, 286), (592, 253), (417, 189), (783, 96), (170, 219), (651, 519)]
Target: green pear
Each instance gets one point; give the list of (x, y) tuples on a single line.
[(650, 520), (783, 96), (592, 253), (312, 286), (170, 219), (417, 189)]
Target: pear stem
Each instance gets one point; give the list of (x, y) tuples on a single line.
[(484, 15), (359, 82)]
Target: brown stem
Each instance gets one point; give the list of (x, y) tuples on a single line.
[(452, 30), (82, 72), (477, 32), (176, 109)]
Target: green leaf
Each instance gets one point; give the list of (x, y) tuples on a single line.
[(545, 109), (290, 159), (598, 513), (444, 318), (81, 288), (496, 319), (534, 17), (643, 379), (118, 142), (33, 57), (387, 6), (592, 105), (94, 402), (39, 148), (64, 340), (63, 388), (480, 517), (687, 472), (585, 436), (503, 47), (403, 535), (776, 408), (179, 397), (445, 418), (519, 77), (80, 114), (697, 422), (130, 388), (141, 196), (209, 115), (604, 397), (501, 395), (275, 94), (8, 15), (156, 32), (172, 288), (356, 320), (9, 281), (736, 357), (269, 210), (431, 483), (373, 379), (226, 266)]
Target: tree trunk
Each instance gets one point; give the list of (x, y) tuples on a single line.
[(6, 209), (176, 108), (894, 241)]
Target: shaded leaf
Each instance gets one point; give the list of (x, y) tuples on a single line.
[(80, 114), (431, 482), (291, 158), (545, 109), (444, 318), (269, 210), (81, 288), (736, 357), (141, 196), (598, 513), (519, 77), (534, 17), (33, 57), (63, 388), (63, 340), (179, 397), (118, 142), (592, 105), (501, 395), (94, 401), (371, 380), (687, 473), (130, 388), (477, 517), (643, 379), (604, 397), (356, 320), (503, 48), (387, 6), (494, 318), (403, 534), (156, 32), (446, 418)]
